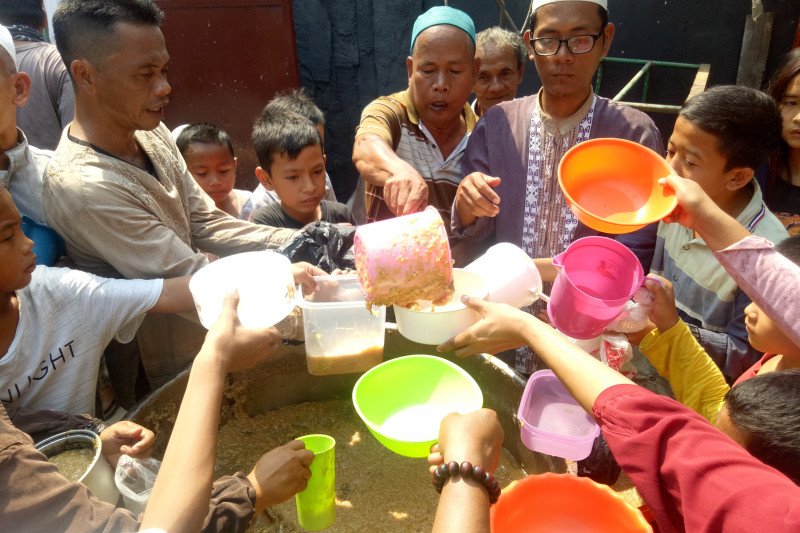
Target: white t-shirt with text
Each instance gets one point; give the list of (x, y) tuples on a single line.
[(66, 320)]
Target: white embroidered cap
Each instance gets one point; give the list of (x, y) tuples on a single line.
[(539, 3), (7, 42), (177, 131)]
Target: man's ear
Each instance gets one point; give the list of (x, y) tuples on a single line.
[(22, 88), (409, 68), (84, 76), (264, 178), (608, 36), (737, 178), (528, 46)]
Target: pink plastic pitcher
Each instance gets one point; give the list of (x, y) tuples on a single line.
[(596, 276)]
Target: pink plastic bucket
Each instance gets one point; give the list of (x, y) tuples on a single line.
[(596, 277)]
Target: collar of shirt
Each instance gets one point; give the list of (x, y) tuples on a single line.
[(750, 216), (562, 126), (18, 158), (405, 98)]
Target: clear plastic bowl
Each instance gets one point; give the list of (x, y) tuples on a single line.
[(342, 335)]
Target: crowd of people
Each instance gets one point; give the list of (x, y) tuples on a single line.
[(105, 214)]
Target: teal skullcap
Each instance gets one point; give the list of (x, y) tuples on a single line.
[(439, 15)]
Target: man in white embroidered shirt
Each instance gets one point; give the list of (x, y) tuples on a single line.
[(510, 192)]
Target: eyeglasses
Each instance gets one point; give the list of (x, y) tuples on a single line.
[(577, 44)]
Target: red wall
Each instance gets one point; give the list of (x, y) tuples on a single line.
[(229, 57)]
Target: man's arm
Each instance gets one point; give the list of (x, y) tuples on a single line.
[(404, 190), (217, 232), (475, 198)]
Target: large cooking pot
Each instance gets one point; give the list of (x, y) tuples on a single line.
[(285, 382)]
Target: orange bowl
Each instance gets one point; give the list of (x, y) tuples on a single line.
[(561, 502), (612, 185)]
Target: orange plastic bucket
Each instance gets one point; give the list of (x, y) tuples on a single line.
[(561, 502), (612, 185)]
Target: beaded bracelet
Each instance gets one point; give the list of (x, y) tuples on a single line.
[(452, 469)]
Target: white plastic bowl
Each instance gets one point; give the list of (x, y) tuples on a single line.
[(99, 476), (443, 322), (263, 279), (511, 276)]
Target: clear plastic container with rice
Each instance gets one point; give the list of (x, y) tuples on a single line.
[(342, 334)]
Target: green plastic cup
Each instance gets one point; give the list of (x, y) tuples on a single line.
[(316, 506)]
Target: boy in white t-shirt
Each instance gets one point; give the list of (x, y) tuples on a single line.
[(56, 322)]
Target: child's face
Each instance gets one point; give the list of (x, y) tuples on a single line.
[(300, 183), (790, 111), (17, 260), (764, 335), (694, 155), (213, 168)]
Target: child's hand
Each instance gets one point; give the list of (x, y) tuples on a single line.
[(663, 314), (280, 474), (693, 202), (234, 347), (128, 438), (304, 275)]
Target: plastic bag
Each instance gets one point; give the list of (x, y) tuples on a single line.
[(610, 348), (134, 479), (634, 317), (325, 245), (600, 466)]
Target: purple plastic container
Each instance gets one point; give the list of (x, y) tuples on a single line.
[(551, 420)]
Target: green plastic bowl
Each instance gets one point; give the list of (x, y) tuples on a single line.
[(404, 400)]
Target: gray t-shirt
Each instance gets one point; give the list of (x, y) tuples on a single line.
[(273, 215), (52, 102)]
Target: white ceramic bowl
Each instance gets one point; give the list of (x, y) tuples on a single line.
[(440, 323), (99, 477), (264, 282)]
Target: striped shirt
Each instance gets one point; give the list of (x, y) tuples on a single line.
[(394, 119), (705, 295)]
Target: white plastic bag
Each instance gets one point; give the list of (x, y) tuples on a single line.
[(634, 316), (613, 349), (135, 479)]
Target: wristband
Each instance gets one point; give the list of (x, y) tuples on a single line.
[(452, 469)]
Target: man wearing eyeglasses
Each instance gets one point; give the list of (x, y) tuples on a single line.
[(510, 192)]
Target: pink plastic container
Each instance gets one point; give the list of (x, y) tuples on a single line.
[(596, 277), (551, 420)]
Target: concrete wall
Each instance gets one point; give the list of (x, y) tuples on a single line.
[(351, 51)]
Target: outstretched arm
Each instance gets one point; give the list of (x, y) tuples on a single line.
[(176, 505), (478, 438), (502, 327), (404, 190)]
